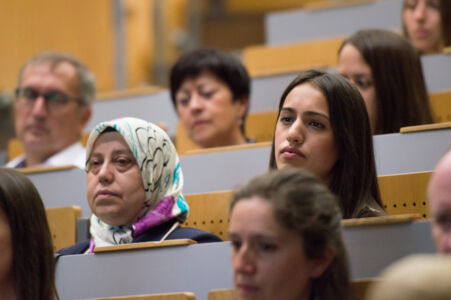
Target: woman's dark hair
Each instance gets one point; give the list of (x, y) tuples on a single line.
[(303, 205), (222, 65), (401, 94), (353, 177), (33, 265)]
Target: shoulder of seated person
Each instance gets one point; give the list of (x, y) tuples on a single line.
[(78, 248), (371, 210), (195, 234)]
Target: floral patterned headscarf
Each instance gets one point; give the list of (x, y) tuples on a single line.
[(161, 176)]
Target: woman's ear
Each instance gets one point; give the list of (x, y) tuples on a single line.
[(241, 106), (321, 264)]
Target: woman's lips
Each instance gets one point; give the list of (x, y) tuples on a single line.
[(199, 123), (104, 194), (247, 289), (290, 152), (421, 33)]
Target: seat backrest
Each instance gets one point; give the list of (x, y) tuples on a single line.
[(400, 194), (259, 128), (210, 212), (440, 103), (267, 60), (405, 193), (63, 225), (360, 287), (168, 296), (225, 294)]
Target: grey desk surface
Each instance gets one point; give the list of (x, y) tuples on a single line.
[(203, 267), (395, 153), (300, 25), (62, 188)]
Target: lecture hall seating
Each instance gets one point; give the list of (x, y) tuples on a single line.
[(322, 22), (168, 296), (372, 245)]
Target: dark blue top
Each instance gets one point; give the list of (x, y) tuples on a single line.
[(154, 234)]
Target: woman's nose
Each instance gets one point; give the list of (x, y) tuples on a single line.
[(196, 103), (106, 173), (296, 133), (244, 261), (420, 10)]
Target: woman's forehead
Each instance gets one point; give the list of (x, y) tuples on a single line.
[(111, 140)]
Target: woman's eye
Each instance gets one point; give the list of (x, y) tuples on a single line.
[(183, 101), (434, 4), (267, 247), (410, 4), (93, 165), (123, 163), (364, 84), (207, 94), (235, 245), (316, 124), (286, 119)]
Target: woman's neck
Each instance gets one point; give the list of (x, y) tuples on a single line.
[(7, 290)]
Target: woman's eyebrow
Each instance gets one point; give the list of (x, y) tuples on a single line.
[(121, 151), (311, 113), (288, 109)]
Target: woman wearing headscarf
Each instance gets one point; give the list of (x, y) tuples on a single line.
[(134, 187)]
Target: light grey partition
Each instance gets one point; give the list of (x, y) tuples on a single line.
[(222, 170), (372, 248), (266, 91), (154, 107), (437, 72), (410, 152), (395, 153), (62, 188), (203, 267), (195, 268), (301, 25)]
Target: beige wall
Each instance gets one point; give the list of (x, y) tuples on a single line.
[(80, 27)]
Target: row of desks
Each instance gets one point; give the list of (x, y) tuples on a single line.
[(156, 106), (225, 170), (203, 267), (308, 24)]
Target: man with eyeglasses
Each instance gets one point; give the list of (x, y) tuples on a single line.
[(439, 196), (52, 107)]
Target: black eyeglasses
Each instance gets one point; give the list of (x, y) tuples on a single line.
[(54, 100)]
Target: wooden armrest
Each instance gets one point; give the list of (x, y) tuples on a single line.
[(426, 127), (32, 170), (228, 148), (144, 245), (406, 218)]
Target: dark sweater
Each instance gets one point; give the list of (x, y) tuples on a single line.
[(152, 235)]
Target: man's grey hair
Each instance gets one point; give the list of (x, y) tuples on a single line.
[(86, 80)]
